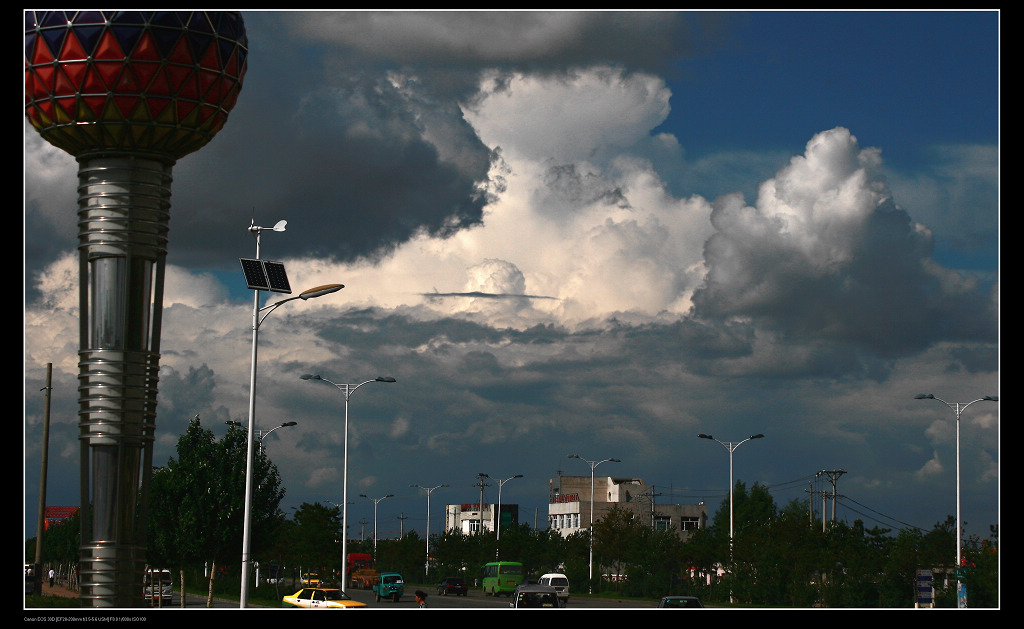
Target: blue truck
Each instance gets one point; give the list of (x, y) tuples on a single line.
[(389, 585)]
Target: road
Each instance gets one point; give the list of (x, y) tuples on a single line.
[(477, 600), (474, 600)]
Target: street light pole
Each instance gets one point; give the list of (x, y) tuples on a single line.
[(426, 564), (497, 523), (593, 466), (731, 447), (958, 408), (319, 291), (376, 501), (347, 390)]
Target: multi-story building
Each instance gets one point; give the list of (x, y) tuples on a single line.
[(569, 505), (467, 518)]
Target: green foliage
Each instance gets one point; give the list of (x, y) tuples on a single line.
[(60, 542), (197, 501), (314, 539)]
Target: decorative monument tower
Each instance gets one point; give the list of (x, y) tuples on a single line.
[(127, 93)]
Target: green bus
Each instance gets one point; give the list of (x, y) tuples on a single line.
[(501, 577)]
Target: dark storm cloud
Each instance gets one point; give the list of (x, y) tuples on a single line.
[(358, 158), (347, 166), (533, 41)]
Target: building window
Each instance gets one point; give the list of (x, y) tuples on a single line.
[(689, 523), (662, 523)]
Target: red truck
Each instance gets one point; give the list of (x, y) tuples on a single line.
[(359, 571)]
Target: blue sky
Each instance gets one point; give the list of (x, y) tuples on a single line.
[(594, 233)]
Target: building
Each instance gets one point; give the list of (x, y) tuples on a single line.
[(466, 518), (569, 505), (57, 515)]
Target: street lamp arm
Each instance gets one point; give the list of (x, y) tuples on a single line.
[(956, 407), (284, 425), (346, 389), (311, 293)]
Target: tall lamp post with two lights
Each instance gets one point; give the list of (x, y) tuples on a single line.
[(347, 390), (593, 466), (376, 501), (731, 447), (958, 408), (497, 522), (262, 275)]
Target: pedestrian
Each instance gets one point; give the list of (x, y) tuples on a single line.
[(51, 577), (421, 598)]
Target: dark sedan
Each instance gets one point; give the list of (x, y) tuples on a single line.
[(452, 585)]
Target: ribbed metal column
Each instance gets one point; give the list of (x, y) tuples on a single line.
[(123, 205)]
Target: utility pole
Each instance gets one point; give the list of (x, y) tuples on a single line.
[(650, 496), (810, 502), (401, 525), (481, 484), (37, 570), (833, 478)]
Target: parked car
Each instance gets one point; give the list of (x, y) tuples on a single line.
[(536, 596), (452, 585), (679, 602), (561, 584), (390, 586), (319, 598)]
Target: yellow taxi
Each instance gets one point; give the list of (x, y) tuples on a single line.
[(320, 598)]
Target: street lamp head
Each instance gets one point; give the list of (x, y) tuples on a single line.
[(615, 460), (288, 424), (573, 456), (758, 436), (924, 396), (320, 291), (310, 376), (385, 379), (703, 436), (991, 398), (518, 476)]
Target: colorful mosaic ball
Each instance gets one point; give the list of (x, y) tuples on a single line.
[(132, 81)]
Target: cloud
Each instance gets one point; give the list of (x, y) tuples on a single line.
[(932, 468), (826, 253)]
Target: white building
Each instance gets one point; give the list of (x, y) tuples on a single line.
[(466, 518), (569, 505)]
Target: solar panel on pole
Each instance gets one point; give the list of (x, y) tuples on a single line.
[(265, 275)]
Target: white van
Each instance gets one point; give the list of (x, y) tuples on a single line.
[(561, 584)]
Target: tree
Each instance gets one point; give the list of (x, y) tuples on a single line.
[(197, 501), (316, 538), (617, 538)]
